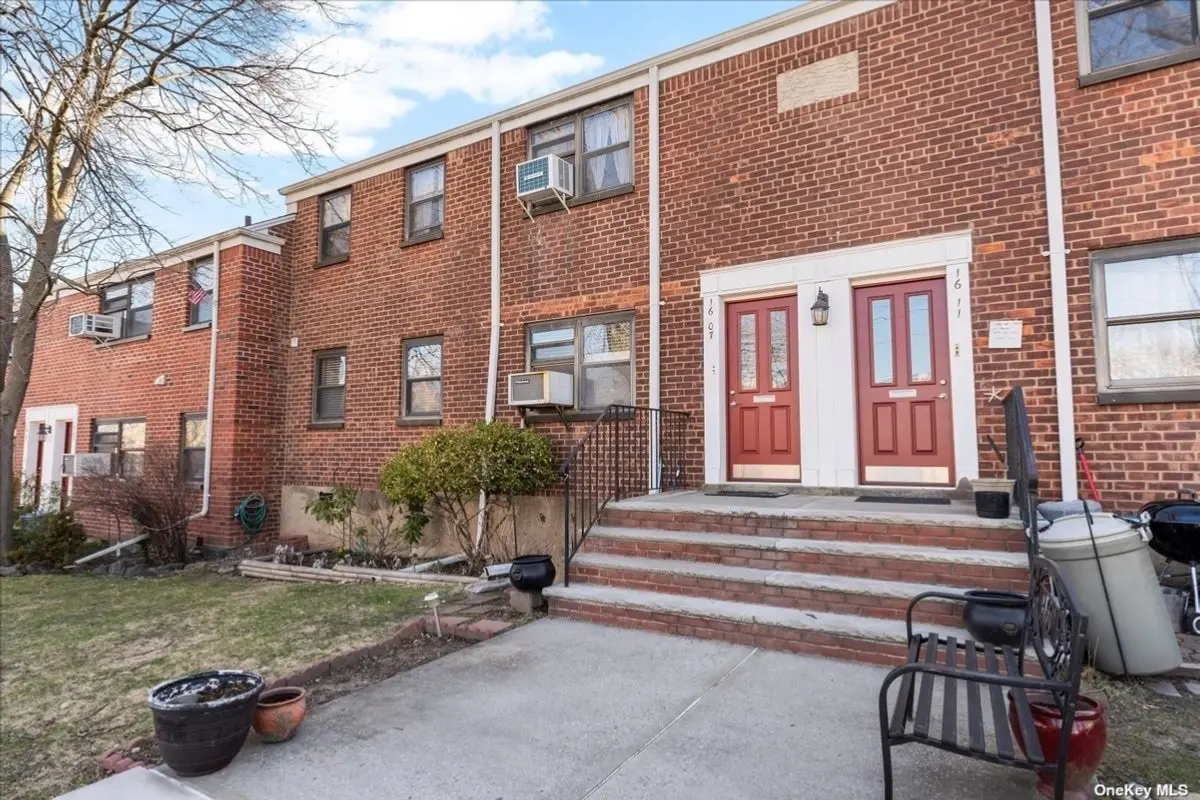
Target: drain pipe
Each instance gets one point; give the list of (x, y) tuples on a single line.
[(212, 382), (655, 286), (489, 413), (1057, 253)]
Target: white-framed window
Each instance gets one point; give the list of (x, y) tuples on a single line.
[(1124, 37), (1146, 307), (596, 351)]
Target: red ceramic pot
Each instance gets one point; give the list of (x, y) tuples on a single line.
[(1088, 738)]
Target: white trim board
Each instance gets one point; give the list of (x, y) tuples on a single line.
[(828, 412)]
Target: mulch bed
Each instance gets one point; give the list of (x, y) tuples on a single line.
[(373, 669)]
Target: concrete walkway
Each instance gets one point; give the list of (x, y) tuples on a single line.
[(568, 710)]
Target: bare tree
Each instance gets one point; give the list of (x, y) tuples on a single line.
[(101, 99)]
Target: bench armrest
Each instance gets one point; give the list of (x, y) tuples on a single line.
[(1004, 602), (1012, 681)]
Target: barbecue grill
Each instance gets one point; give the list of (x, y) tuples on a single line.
[(1175, 535)]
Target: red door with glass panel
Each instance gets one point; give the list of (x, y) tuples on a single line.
[(902, 347), (764, 412)]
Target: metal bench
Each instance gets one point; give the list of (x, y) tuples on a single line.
[(1055, 630)]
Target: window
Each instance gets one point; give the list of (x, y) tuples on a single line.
[(597, 142), (1123, 37), (329, 386), (596, 351), (426, 186), (423, 378), (126, 438), (195, 438), (200, 291), (133, 302), (1146, 305), (335, 226)]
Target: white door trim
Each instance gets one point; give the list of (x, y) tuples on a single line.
[(828, 412), (57, 418)]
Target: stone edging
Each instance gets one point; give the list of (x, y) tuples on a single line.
[(114, 761)]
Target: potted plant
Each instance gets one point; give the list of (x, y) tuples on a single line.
[(280, 712), (201, 720)]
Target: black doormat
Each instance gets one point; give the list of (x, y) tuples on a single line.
[(912, 501), (765, 493)]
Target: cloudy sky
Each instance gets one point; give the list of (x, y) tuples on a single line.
[(430, 66)]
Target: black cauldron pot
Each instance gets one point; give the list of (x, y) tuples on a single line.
[(531, 573), (201, 720), (995, 624)]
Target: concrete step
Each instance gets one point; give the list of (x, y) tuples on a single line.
[(866, 597), (991, 569), (820, 518), (842, 636)]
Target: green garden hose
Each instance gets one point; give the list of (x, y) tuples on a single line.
[(252, 513)]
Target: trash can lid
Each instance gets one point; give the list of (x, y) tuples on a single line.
[(1073, 529)]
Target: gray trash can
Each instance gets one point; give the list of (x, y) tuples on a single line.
[(1139, 613)]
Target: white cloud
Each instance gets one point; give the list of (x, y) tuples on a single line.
[(487, 51)]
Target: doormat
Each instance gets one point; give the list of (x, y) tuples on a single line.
[(912, 501), (764, 493)]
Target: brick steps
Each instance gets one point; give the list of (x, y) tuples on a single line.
[(842, 636), (888, 562), (919, 530), (865, 597)]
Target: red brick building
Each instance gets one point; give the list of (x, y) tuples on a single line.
[(891, 157)]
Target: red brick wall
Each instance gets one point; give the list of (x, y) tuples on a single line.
[(1131, 174)]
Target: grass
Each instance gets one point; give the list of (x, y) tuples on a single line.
[(1151, 739), (79, 654)]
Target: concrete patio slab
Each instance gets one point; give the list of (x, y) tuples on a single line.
[(568, 710), (136, 784)]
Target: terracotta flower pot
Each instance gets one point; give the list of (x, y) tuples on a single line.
[(279, 713), (1088, 738)]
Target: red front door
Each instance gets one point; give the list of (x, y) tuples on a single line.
[(902, 347), (764, 412)]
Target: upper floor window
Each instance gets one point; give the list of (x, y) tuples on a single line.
[(597, 351), (423, 378), (426, 192), (133, 302), (1146, 305), (200, 291), (126, 438), (335, 226), (597, 142), (329, 386), (1122, 37), (195, 441)]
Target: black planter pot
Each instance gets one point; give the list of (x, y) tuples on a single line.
[(196, 735), (531, 573), (995, 624)]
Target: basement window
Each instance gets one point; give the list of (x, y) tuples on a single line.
[(133, 302), (126, 438), (195, 439), (596, 351), (335, 227), (1146, 307), (1125, 37)]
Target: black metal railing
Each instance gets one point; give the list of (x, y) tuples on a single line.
[(629, 451), (1022, 465)]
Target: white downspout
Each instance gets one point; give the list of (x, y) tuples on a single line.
[(494, 348), (655, 280), (1057, 253), (212, 381)]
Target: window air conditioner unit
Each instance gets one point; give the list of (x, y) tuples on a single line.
[(533, 389), (84, 464), (94, 326), (544, 178)]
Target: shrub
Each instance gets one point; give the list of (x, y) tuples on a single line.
[(448, 470), (51, 539), (368, 528)]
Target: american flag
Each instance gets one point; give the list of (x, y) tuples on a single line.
[(197, 294)]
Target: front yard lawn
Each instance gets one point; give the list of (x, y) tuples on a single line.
[(78, 654)]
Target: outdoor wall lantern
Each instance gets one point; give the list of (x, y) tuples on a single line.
[(820, 309)]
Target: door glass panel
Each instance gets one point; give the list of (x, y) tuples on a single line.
[(882, 370), (920, 344), (747, 353), (779, 349)]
